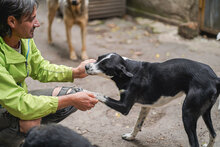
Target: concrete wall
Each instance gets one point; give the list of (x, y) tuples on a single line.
[(175, 11)]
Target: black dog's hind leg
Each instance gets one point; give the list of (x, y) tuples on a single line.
[(143, 114), (190, 115), (213, 95), (190, 123), (198, 102), (207, 119)]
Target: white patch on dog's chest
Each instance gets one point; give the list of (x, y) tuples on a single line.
[(163, 100)]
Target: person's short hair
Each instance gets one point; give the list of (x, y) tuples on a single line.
[(16, 8), (54, 135)]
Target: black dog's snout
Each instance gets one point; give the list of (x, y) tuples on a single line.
[(87, 67)]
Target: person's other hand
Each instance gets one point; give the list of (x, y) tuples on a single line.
[(84, 101), (79, 72), (26, 125)]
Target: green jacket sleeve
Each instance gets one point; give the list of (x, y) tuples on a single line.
[(19, 103), (15, 98), (43, 71)]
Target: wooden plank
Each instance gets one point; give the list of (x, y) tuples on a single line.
[(105, 5), (105, 1), (105, 16), (103, 9), (106, 8), (104, 13), (209, 16), (101, 3)]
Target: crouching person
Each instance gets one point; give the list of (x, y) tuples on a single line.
[(21, 110)]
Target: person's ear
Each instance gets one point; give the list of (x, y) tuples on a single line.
[(11, 21)]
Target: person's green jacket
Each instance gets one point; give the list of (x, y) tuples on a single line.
[(15, 67)]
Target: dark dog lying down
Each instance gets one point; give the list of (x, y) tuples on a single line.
[(54, 135), (155, 84)]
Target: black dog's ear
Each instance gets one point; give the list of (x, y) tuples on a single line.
[(124, 71)]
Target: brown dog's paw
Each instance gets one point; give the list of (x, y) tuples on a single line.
[(84, 56), (49, 41), (73, 56)]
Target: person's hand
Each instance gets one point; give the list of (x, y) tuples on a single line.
[(83, 100), (26, 125), (79, 72)]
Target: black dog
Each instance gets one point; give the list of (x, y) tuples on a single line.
[(155, 84), (54, 135)]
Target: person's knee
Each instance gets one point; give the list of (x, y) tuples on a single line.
[(26, 125)]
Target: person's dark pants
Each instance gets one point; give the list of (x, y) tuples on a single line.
[(10, 135)]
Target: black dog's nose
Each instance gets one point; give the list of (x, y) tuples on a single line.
[(87, 67)]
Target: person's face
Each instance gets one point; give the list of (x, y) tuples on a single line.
[(25, 27)]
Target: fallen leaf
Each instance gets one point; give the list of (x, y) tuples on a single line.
[(111, 25), (115, 29), (138, 53), (128, 41), (95, 22), (97, 29), (99, 36), (117, 114), (137, 37), (134, 28), (146, 33)]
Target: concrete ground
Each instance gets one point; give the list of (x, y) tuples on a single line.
[(139, 39)]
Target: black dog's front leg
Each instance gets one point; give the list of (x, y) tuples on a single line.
[(123, 106)]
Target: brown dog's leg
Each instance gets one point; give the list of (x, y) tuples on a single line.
[(68, 25), (83, 24), (52, 8)]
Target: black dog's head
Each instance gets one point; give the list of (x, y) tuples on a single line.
[(54, 135), (110, 65)]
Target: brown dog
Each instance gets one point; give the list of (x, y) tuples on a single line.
[(74, 12)]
